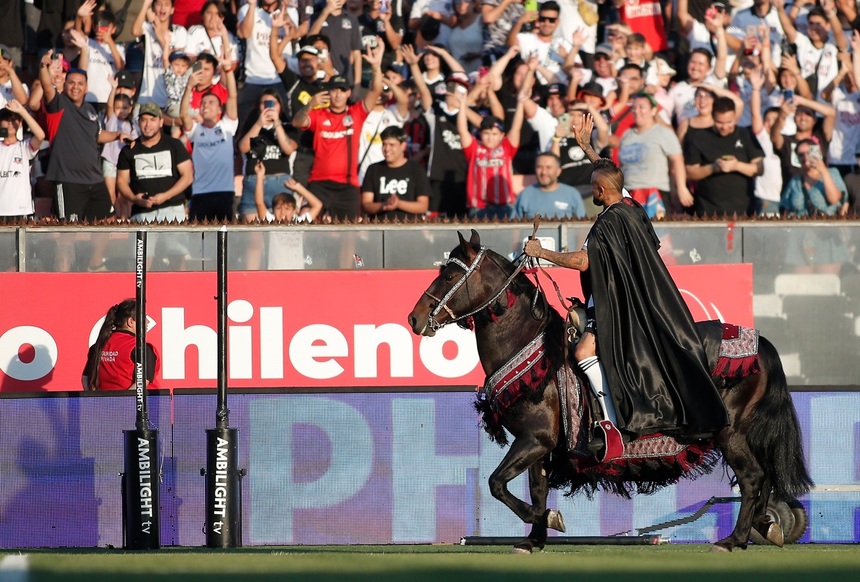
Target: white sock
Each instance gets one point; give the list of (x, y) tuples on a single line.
[(597, 378)]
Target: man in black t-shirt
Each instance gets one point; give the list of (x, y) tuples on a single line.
[(155, 171), (398, 187), (300, 88), (724, 159), (75, 136)]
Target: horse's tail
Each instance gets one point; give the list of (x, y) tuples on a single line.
[(774, 435)]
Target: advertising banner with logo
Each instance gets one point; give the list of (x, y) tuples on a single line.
[(286, 329)]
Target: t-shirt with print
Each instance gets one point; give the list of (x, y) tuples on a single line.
[(73, 132), (344, 33), (153, 170), (336, 140), (496, 33), (152, 78), (299, 93), (266, 148), (408, 182), (489, 179), (199, 41), (213, 156), (101, 66), (6, 94), (259, 68), (370, 145), (16, 197), (447, 162), (846, 130)]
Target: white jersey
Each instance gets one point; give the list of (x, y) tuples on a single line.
[(152, 86), (16, 194), (370, 145), (259, 68), (213, 156), (101, 66)]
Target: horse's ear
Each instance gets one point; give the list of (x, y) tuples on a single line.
[(476, 238)]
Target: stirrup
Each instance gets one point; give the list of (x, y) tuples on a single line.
[(612, 446)]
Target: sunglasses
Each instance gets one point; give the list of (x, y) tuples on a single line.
[(549, 19)]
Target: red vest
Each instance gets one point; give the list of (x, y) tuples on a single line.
[(116, 362)]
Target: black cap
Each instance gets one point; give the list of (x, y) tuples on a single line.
[(126, 80), (556, 89), (490, 122), (591, 88), (338, 82)]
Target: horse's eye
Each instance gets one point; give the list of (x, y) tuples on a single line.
[(449, 277)]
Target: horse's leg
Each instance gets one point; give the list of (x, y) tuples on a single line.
[(538, 490), (762, 523), (524, 452), (751, 481)]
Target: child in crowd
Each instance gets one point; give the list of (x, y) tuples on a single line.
[(176, 75), (284, 205), (117, 118)]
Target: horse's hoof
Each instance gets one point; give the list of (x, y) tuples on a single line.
[(555, 521), (716, 549), (775, 535)]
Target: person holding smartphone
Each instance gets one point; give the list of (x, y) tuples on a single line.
[(265, 140), (819, 189)]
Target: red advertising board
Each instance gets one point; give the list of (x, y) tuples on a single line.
[(286, 329)]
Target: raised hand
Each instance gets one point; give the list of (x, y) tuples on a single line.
[(582, 134), (79, 39), (87, 8), (410, 58)]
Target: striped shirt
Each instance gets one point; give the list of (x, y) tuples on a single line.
[(489, 179)]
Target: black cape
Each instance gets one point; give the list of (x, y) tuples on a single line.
[(655, 364)]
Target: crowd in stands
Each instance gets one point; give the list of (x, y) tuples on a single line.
[(302, 110)]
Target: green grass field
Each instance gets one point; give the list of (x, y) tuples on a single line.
[(809, 563)]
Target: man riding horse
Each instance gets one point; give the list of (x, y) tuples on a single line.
[(647, 366)]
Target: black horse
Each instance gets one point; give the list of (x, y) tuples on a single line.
[(533, 392)]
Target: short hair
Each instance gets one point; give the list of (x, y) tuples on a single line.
[(771, 110), (636, 38), (284, 198), (209, 58), (107, 16), (630, 67), (393, 132), (549, 5), (548, 155), (817, 11), (723, 104), (704, 52), (608, 168)]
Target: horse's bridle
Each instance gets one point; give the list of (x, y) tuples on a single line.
[(469, 269)]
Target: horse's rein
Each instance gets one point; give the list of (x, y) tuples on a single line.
[(537, 266), (443, 302)]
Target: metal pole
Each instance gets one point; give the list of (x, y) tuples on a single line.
[(223, 476), (140, 476)]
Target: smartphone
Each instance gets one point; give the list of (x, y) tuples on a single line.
[(530, 5), (483, 72), (788, 94), (384, 6), (564, 124), (815, 152), (102, 27), (752, 31), (198, 66), (56, 56), (269, 103), (4, 132)]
